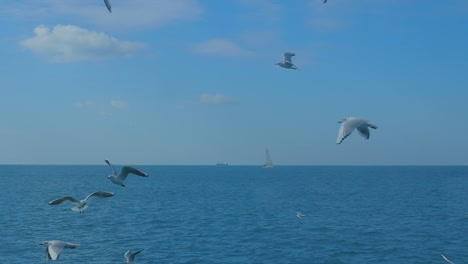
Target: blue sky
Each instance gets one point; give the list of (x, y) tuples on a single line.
[(193, 82)]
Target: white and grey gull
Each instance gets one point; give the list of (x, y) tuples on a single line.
[(300, 215), (287, 62), (349, 124), (119, 179), (55, 247), (81, 205)]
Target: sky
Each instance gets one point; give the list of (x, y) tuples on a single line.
[(194, 82)]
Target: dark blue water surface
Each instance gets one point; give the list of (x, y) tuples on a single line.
[(239, 214)]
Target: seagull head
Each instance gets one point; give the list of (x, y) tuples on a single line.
[(342, 120), (45, 243)]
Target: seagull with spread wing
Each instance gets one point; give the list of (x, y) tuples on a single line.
[(55, 247), (120, 178), (81, 205), (349, 124)]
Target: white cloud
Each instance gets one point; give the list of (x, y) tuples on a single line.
[(104, 114), (134, 14), (102, 109), (220, 47), (68, 43), (118, 104), (216, 99), (85, 105)]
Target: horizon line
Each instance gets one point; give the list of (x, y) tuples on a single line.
[(250, 165)]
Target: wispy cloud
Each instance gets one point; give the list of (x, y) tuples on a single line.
[(266, 10), (263, 38), (334, 16), (105, 114), (68, 43), (85, 105), (136, 13), (216, 99), (119, 104), (102, 109), (220, 47), (327, 24)]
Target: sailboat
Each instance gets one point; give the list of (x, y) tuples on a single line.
[(268, 162)]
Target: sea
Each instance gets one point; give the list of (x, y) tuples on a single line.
[(239, 214)]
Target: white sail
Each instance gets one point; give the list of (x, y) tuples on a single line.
[(268, 162)]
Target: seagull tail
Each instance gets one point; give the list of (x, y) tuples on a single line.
[(70, 245), (76, 209)]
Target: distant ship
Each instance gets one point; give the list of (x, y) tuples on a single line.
[(268, 162), (222, 164)]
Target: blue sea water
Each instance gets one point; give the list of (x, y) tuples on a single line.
[(239, 214)]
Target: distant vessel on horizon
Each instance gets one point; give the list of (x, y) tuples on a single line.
[(222, 164), (268, 162)]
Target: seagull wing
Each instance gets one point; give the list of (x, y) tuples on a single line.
[(447, 259), (346, 129), (47, 255), (63, 199), (108, 5), (54, 250), (288, 56), (129, 169), (130, 257), (100, 194), (112, 167), (127, 255), (133, 255), (324, 1), (364, 131)]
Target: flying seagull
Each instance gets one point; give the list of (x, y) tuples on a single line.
[(287, 62), (300, 215), (130, 257), (349, 124), (119, 179), (81, 205), (55, 248), (108, 5), (447, 259)]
